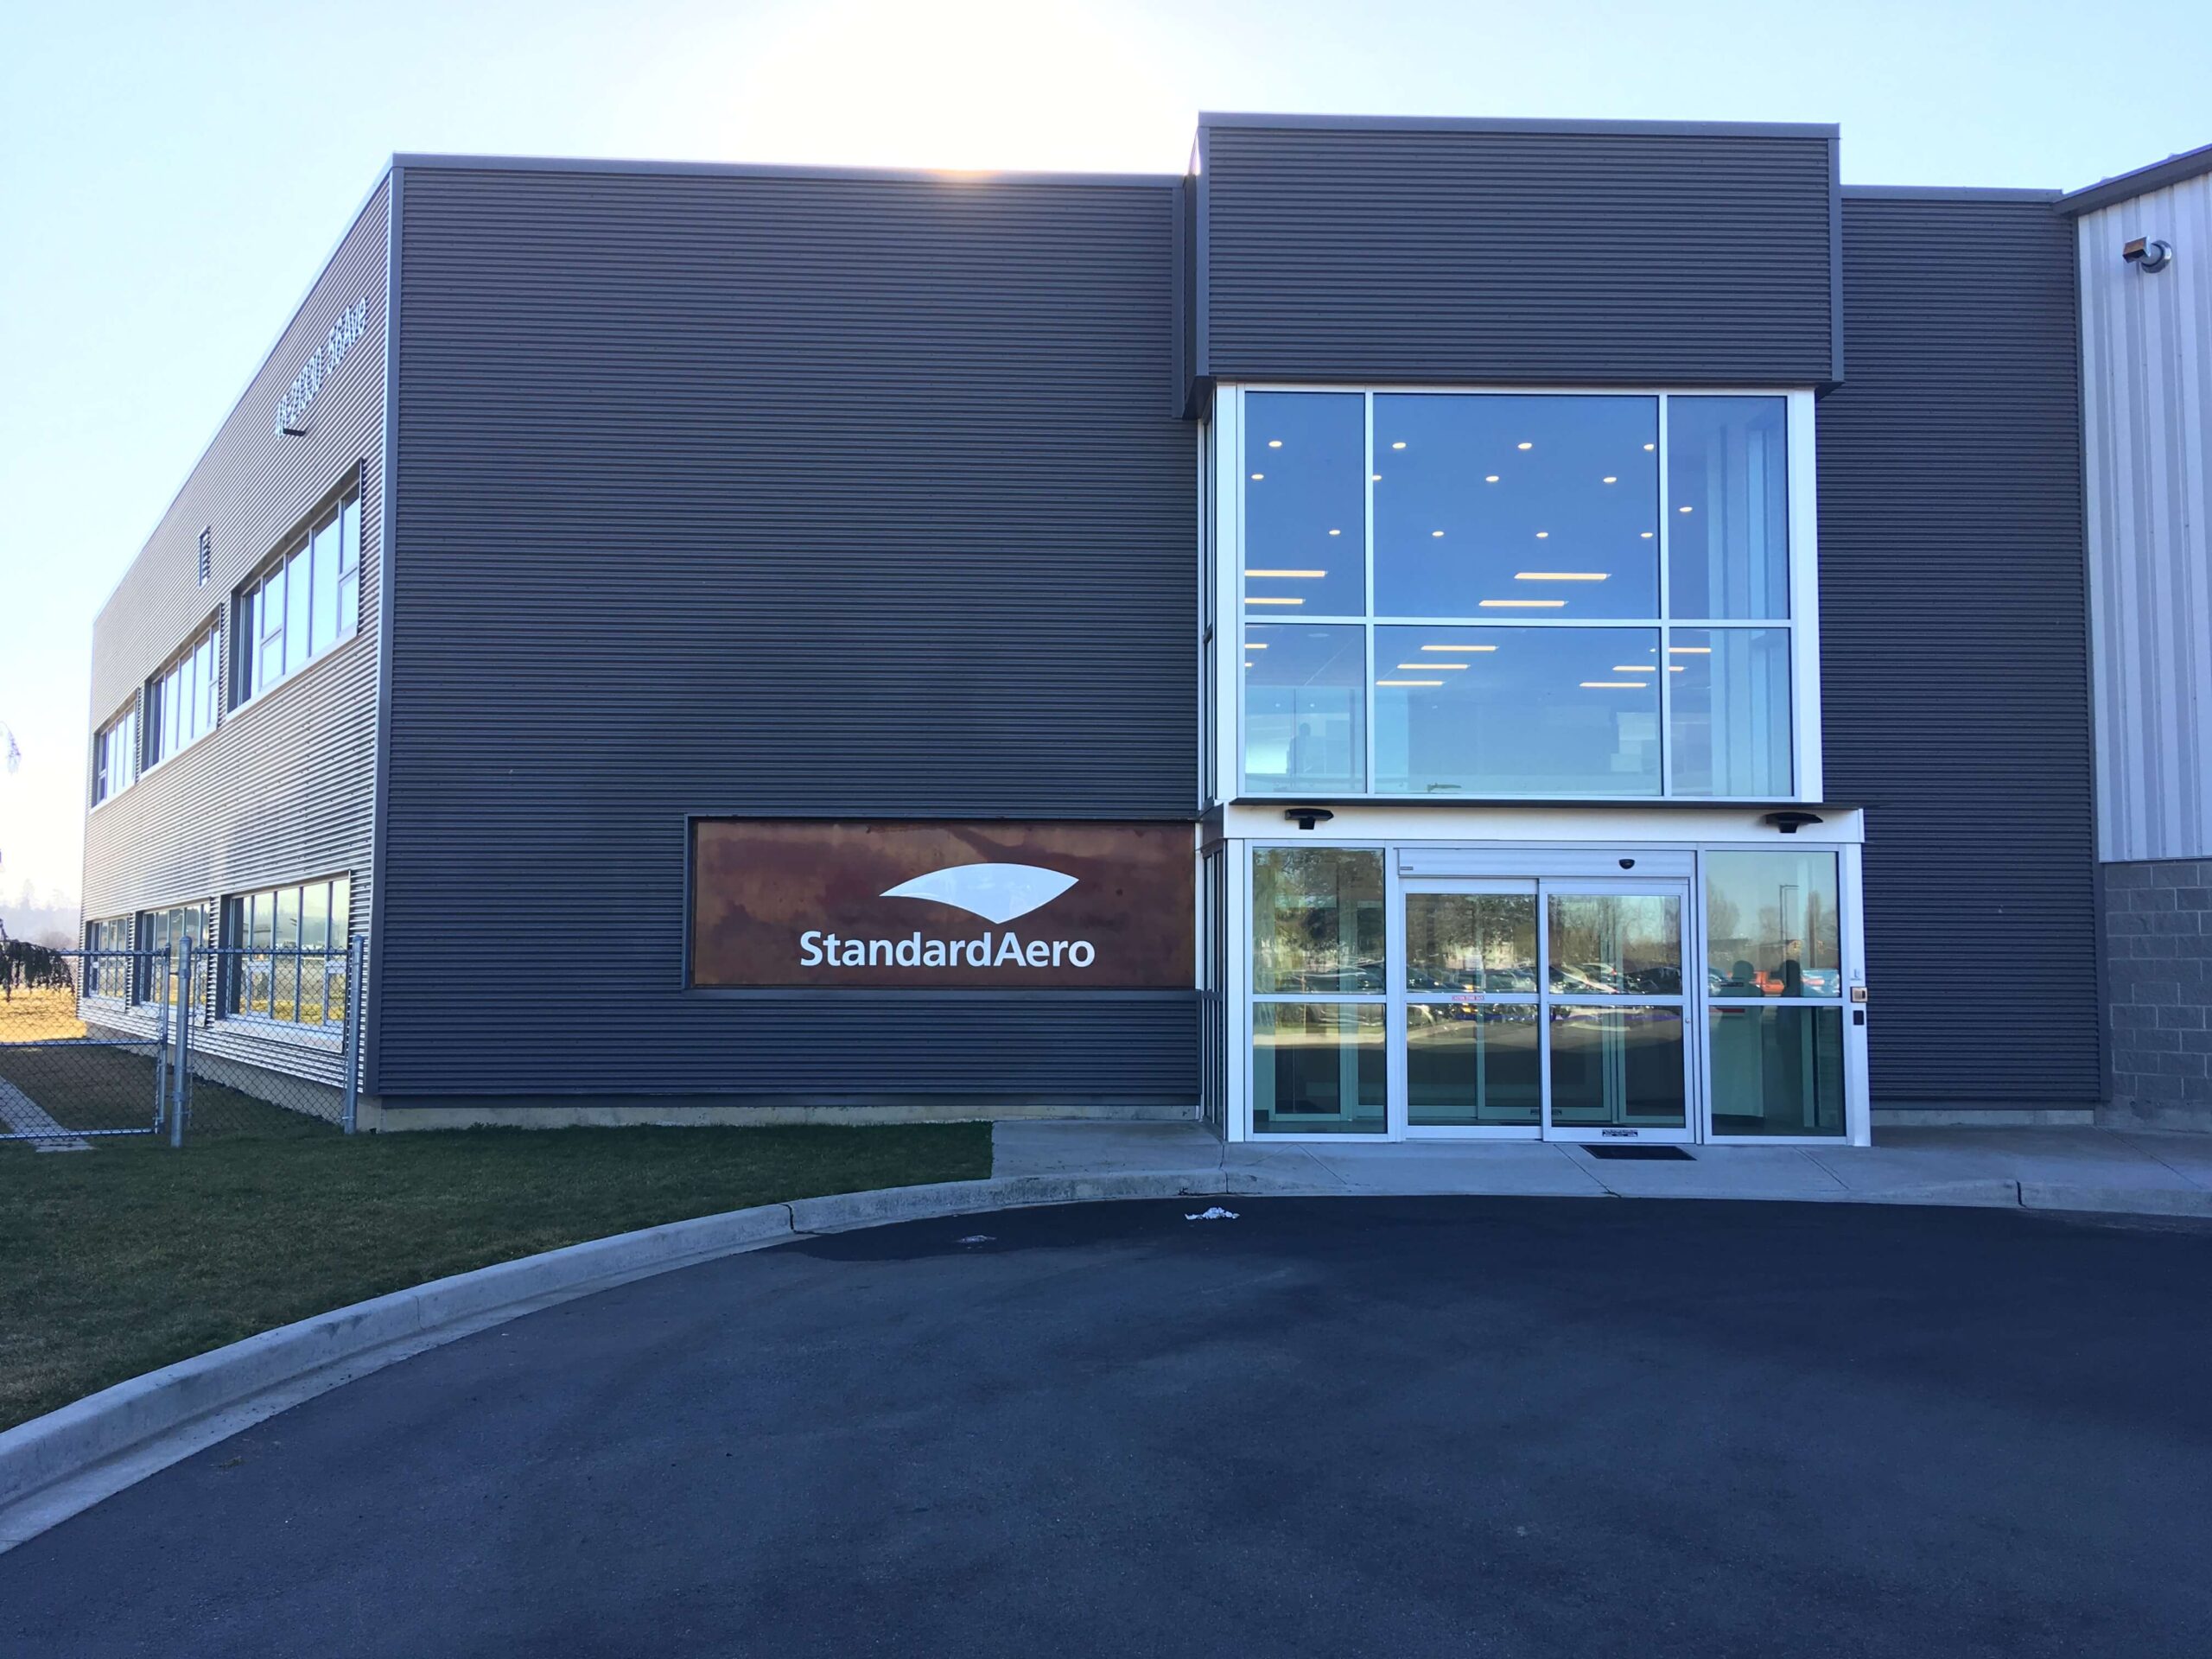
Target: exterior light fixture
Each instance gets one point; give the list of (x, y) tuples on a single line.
[(1790, 823), (2147, 256), (1307, 817)]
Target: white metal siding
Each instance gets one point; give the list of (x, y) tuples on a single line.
[(2146, 359)]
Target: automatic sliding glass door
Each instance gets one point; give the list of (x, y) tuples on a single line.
[(1616, 1064), (1551, 1007)]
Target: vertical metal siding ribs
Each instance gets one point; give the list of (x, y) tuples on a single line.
[(1955, 677), (847, 496), (1532, 256)]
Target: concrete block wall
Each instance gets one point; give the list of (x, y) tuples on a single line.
[(2158, 920)]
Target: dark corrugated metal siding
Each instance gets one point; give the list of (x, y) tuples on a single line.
[(283, 788), (1383, 253), (1954, 674), (755, 493)]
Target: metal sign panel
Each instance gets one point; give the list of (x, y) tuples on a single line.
[(779, 903)]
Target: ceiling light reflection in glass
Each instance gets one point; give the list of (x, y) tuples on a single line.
[(1305, 497), (1548, 455)]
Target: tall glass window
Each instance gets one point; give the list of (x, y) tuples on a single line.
[(115, 754), (1565, 596), (180, 700), (305, 600), (1319, 1014), (283, 952), (1774, 955)]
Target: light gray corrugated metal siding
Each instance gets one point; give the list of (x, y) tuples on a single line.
[(2146, 352), (1954, 679), (768, 494), (1440, 255), (282, 789)]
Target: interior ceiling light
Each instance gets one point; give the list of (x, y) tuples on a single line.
[(1543, 535), (1408, 682), (1691, 650), (1610, 479), (1646, 536), (1400, 444), (1636, 668), (1303, 573), (1336, 532), (1254, 645), (1491, 478), (1256, 477), (1676, 668), (1650, 445), (1374, 478), (1458, 647), (1616, 685), (1559, 575), (1433, 533), (1274, 444), (1262, 598), (1523, 604), (1433, 668), (1524, 445), (1683, 509)]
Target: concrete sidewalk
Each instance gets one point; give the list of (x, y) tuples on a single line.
[(2134, 1171)]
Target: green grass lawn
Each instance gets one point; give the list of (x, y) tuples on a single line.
[(132, 1256)]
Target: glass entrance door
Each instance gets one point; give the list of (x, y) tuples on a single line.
[(1616, 1062), (1543, 1007)]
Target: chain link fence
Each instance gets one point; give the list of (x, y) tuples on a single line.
[(77, 1061), (186, 1043)]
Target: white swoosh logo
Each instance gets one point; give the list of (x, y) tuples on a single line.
[(997, 892)]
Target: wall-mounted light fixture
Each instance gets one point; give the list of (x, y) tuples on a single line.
[(1790, 823), (1307, 817), (2147, 256)]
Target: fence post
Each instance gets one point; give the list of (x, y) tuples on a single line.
[(183, 1002), (162, 1058), (353, 1032)]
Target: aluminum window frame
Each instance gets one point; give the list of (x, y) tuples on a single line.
[(108, 754), (1801, 624), (242, 684), (175, 666), (234, 952)]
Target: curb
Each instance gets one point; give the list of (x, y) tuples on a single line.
[(60, 1465)]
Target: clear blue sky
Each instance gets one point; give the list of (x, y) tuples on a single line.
[(172, 175)]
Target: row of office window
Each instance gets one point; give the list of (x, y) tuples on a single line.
[(281, 953), (1451, 593), (304, 602)]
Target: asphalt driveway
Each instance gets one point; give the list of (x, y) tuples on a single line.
[(1390, 1426)]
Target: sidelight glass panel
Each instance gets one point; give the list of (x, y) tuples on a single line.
[(1305, 504), (1316, 919), (1778, 1069), (1729, 716), (1772, 925), (1544, 505), (1616, 945), (1474, 1066), (1728, 519), (1472, 942), (1617, 1066), (1318, 1068), (1516, 711), (349, 577), (1305, 709)]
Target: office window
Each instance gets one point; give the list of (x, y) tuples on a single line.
[(166, 930), (180, 700), (1502, 595), (115, 755), (284, 952), (304, 602), (107, 974)]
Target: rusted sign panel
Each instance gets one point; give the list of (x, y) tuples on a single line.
[(781, 902)]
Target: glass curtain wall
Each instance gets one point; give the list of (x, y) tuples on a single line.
[(1484, 595)]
